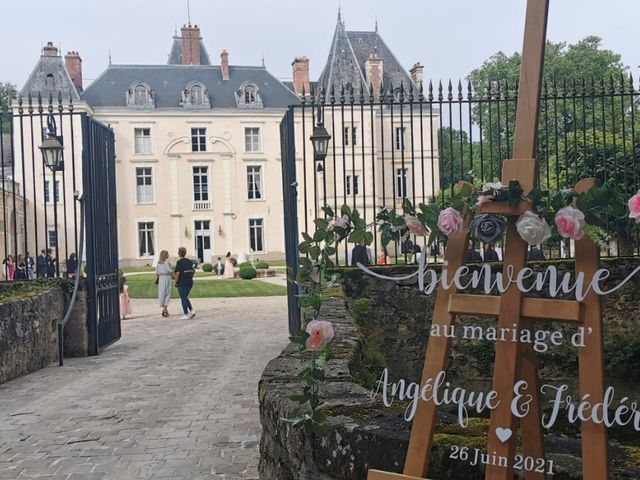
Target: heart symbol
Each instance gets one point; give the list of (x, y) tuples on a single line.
[(503, 434)]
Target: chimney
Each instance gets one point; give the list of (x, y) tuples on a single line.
[(301, 75), (417, 74), (49, 50), (190, 45), (373, 69), (73, 62), (224, 64)]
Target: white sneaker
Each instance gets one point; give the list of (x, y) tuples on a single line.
[(185, 317), (192, 314)]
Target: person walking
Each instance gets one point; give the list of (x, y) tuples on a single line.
[(490, 254), (164, 272), (51, 264), (184, 282), (41, 264), (229, 272)]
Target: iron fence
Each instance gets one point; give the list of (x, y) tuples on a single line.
[(417, 143), (39, 211)]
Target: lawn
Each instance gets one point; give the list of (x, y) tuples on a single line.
[(142, 286)]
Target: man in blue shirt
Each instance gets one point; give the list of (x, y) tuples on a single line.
[(184, 282)]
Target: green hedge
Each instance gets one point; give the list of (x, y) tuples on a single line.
[(207, 267), (262, 265), (247, 272), (245, 264)]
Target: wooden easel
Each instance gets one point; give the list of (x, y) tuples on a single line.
[(515, 361)]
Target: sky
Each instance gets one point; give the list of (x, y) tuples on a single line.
[(450, 38)]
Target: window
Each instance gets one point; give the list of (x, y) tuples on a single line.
[(52, 237), (356, 186), (145, 239), (197, 97), (140, 95), (252, 139), (351, 135), (254, 182), (144, 185), (47, 191), (401, 182), (256, 234), (198, 139), (400, 140), (250, 94), (200, 184), (49, 82), (142, 140)]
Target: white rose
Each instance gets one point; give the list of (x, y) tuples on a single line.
[(533, 229), (492, 187)]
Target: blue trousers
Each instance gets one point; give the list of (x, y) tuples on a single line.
[(184, 297)]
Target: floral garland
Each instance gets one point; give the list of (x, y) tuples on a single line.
[(591, 210)]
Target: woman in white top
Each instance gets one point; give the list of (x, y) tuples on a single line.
[(164, 273)]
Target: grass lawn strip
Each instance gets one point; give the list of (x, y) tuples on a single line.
[(143, 286)]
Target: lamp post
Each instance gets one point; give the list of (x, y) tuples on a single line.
[(52, 156), (320, 140)]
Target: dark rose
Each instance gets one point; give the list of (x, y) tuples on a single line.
[(487, 228)]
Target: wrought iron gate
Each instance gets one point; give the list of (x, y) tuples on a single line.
[(290, 192), (99, 178)]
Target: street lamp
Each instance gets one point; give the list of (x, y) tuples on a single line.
[(320, 140), (51, 147)]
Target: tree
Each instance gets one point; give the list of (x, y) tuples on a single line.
[(569, 69), (8, 92)]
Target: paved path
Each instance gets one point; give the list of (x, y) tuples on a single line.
[(172, 399)]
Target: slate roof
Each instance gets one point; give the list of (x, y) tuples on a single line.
[(168, 82), (61, 81), (350, 50), (175, 56)]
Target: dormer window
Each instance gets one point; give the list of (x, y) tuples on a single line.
[(195, 95), (248, 96), (49, 82), (140, 95)]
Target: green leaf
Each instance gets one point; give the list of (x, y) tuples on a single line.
[(356, 236), (307, 237), (314, 252), (321, 223), (465, 191), (345, 210), (319, 236), (304, 247), (328, 211), (368, 238)]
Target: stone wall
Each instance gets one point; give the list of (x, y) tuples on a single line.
[(29, 333), (390, 327)]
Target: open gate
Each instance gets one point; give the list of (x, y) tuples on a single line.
[(99, 183)]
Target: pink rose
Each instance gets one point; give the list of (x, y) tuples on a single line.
[(450, 222), (342, 222), (484, 199), (415, 226), (570, 223), (320, 334), (634, 207)]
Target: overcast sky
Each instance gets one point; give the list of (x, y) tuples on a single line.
[(449, 37)]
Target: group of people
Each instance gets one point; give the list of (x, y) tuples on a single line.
[(225, 271), (182, 274), (23, 267)]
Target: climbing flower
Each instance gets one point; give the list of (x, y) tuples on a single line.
[(415, 226), (342, 222), (634, 207), (320, 334)]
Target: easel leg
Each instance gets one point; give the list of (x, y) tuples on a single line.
[(531, 423)]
